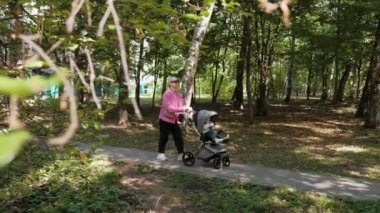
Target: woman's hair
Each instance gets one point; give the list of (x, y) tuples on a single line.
[(169, 81)]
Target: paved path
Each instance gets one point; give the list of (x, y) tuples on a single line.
[(330, 185)]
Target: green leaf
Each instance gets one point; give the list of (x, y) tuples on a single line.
[(191, 16), (35, 63), (25, 88), (73, 47), (86, 39), (111, 27), (179, 38), (204, 13), (10, 145)]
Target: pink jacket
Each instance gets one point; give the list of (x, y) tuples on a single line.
[(172, 102)]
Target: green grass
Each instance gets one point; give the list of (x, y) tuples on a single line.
[(43, 180)]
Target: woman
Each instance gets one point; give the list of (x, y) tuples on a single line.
[(172, 103)]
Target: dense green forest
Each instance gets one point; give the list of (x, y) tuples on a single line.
[(70, 68)]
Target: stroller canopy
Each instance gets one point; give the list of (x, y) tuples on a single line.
[(203, 117)]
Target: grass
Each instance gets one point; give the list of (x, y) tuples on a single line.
[(304, 136), (46, 180)]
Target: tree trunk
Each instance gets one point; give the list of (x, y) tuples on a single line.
[(216, 95), (238, 92), (358, 78), (310, 77), (352, 82), (373, 115), (193, 96), (245, 39), (155, 81), (16, 46), (248, 78), (138, 73), (262, 105), (215, 78), (325, 88), (342, 84), (365, 95), (192, 61), (337, 49), (291, 67), (165, 75), (122, 99)]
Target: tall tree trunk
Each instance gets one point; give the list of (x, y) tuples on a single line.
[(325, 88), (358, 78), (342, 84), (16, 48), (194, 95), (138, 73), (192, 60), (353, 81), (315, 83), (337, 49), (155, 80), (238, 92), (362, 106), (215, 78), (122, 99), (310, 76), (262, 105), (291, 67), (373, 115), (248, 78), (165, 78), (216, 95)]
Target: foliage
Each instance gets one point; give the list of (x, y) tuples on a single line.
[(12, 142)]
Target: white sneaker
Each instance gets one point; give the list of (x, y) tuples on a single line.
[(180, 156), (161, 157)]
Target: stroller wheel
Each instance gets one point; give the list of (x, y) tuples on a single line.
[(216, 163), (188, 159), (226, 161)]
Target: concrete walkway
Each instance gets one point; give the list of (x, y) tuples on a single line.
[(330, 185)]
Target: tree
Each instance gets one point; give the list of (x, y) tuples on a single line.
[(342, 83), (291, 67), (192, 60), (373, 116), (138, 72), (265, 38)]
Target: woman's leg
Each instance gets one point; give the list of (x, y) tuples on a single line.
[(164, 135), (177, 136)]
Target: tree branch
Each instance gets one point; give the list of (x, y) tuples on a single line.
[(68, 92), (92, 79), (76, 5)]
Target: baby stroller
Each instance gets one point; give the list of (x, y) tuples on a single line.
[(211, 149)]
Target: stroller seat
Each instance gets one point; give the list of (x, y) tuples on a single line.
[(212, 136)]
